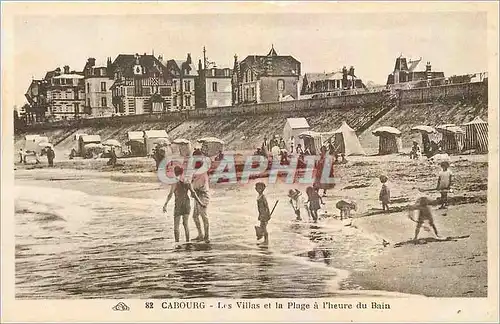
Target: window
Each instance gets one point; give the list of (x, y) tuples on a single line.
[(187, 86), (88, 87), (69, 81), (174, 101), (246, 77), (57, 81), (188, 100), (253, 92), (130, 91), (214, 86), (103, 86), (281, 84), (63, 81), (146, 91), (226, 72), (88, 102), (251, 76), (154, 89), (213, 72), (175, 85), (104, 102), (247, 93), (165, 91)]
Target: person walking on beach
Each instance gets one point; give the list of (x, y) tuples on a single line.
[(182, 206), (314, 200), (424, 214), (50, 156), (444, 183), (385, 193), (264, 213), (297, 202), (200, 193), (292, 144)]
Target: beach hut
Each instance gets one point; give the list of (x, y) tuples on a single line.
[(389, 140), (152, 138), (476, 135), (453, 138), (425, 131), (211, 146), (293, 127), (312, 140), (183, 146), (31, 143), (84, 140), (136, 143), (346, 141)]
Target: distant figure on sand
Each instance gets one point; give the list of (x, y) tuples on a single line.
[(444, 183), (298, 202), (292, 144), (385, 194), (424, 213), (415, 152), (22, 158), (182, 207), (345, 206), (299, 149), (50, 156), (264, 213), (314, 200)]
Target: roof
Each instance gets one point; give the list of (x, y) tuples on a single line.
[(90, 138), (135, 135), (386, 130), (69, 76), (297, 123), (337, 75), (177, 64), (156, 133), (125, 63), (476, 120), (271, 64)]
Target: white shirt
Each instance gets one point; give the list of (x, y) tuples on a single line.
[(444, 179)]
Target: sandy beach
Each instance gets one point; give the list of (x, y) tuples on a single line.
[(453, 268)]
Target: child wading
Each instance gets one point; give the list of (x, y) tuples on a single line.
[(200, 188), (297, 202), (444, 183), (424, 213), (314, 200), (264, 213), (385, 194), (182, 207)]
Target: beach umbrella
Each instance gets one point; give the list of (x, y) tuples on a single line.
[(386, 129), (210, 140), (423, 129), (93, 146), (45, 144), (161, 141), (181, 141), (112, 142)]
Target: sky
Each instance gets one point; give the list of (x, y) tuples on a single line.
[(454, 42)]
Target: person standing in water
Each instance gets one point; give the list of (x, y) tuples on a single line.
[(182, 206), (200, 188), (264, 213)]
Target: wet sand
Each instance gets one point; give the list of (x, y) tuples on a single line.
[(455, 268)]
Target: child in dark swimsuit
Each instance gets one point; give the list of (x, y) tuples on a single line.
[(182, 206)]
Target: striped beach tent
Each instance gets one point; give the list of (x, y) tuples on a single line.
[(389, 140), (476, 135), (453, 138)]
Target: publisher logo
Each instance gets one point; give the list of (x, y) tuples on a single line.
[(121, 307)]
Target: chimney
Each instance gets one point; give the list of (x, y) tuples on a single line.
[(58, 71), (160, 57), (188, 60), (66, 69), (91, 61), (428, 72), (351, 71), (200, 67)]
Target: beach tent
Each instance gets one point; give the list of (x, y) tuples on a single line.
[(136, 143), (150, 136), (84, 140), (453, 138), (183, 146), (346, 141), (424, 131), (312, 140), (211, 146), (31, 143), (389, 140), (476, 135), (293, 127)]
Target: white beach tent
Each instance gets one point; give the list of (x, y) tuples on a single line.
[(151, 135), (294, 127), (346, 141)]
